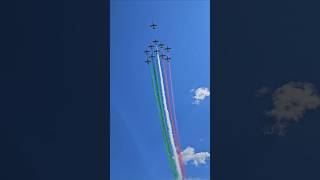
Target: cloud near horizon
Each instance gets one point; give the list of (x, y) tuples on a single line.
[(196, 158)]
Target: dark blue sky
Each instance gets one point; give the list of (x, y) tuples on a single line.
[(53, 90), (262, 43)]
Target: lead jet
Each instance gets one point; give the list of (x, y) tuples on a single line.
[(155, 41), (167, 49), (153, 26)]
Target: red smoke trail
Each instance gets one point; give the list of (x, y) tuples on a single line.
[(168, 99), (175, 119), (176, 136)]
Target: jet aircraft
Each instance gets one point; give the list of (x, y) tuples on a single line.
[(153, 26), (161, 45), (147, 61), (167, 49), (162, 56)]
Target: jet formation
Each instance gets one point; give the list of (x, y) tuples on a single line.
[(158, 54), (157, 48)]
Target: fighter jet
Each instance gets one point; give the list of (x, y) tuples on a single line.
[(155, 41), (147, 61), (156, 51), (151, 46), (153, 26), (167, 59), (146, 51), (161, 45), (167, 49), (162, 56), (152, 56)]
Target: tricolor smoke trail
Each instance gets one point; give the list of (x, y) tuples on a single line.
[(176, 157), (162, 86), (174, 119), (162, 121)]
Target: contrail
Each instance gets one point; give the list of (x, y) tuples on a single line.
[(176, 157), (168, 99), (174, 120), (161, 112)]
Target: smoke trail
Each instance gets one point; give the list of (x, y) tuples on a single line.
[(176, 158), (174, 122), (173, 106), (156, 74), (168, 99), (161, 112)]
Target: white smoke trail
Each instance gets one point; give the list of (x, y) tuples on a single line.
[(176, 158)]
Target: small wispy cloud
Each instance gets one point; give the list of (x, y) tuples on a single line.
[(189, 154), (200, 94), (263, 91)]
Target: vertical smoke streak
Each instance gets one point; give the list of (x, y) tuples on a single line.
[(162, 121), (169, 103), (176, 157), (174, 119)]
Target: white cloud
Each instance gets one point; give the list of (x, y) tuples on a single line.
[(196, 158), (291, 101), (200, 94)]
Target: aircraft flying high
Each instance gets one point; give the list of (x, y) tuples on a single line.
[(162, 56), (147, 61), (153, 26), (161, 45), (151, 46), (167, 59), (146, 51), (167, 49)]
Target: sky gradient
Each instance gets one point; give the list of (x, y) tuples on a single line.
[(137, 148)]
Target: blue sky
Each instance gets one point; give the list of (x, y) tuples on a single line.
[(136, 147)]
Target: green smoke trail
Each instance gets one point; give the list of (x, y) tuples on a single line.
[(161, 111)]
